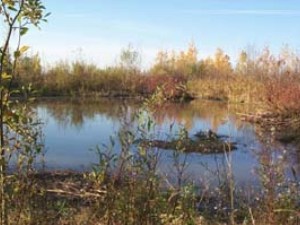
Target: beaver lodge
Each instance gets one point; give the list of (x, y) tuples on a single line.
[(203, 142)]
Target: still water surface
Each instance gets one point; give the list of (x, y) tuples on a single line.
[(73, 128)]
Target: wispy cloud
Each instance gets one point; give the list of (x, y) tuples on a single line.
[(142, 28), (263, 12)]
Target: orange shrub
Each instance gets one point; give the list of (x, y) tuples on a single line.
[(173, 86), (283, 94)]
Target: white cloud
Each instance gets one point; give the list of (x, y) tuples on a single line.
[(263, 12)]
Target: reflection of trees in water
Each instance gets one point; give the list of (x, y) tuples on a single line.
[(215, 113), (74, 112)]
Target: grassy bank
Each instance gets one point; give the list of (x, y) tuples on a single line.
[(80, 198)]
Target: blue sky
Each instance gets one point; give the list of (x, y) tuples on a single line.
[(97, 30)]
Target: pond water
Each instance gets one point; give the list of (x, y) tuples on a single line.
[(73, 128)]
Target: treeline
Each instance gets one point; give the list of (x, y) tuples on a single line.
[(255, 77)]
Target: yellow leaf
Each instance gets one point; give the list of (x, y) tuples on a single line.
[(24, 49), (5, 76)]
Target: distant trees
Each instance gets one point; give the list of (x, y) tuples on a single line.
[(222, 63), (130, 59), (28, 69), (187, 64), (242, 64), (183, 63), (175, 73)]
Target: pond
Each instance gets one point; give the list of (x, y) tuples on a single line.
[(73, 128)]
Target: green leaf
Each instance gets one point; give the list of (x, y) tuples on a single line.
[(15, 92), (23, 30), (12, 8), (47, 14), (17, 54)]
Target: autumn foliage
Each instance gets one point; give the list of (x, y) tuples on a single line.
[(283, 94), (257, 76)]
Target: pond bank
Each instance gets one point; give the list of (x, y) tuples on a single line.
[(80, 195), (285, 129)]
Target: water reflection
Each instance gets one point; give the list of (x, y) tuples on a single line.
[(74, 112), (72, 127)]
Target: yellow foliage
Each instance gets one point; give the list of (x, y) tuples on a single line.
[(236, 89), (183, 63), (242, 65), (222, 63)]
